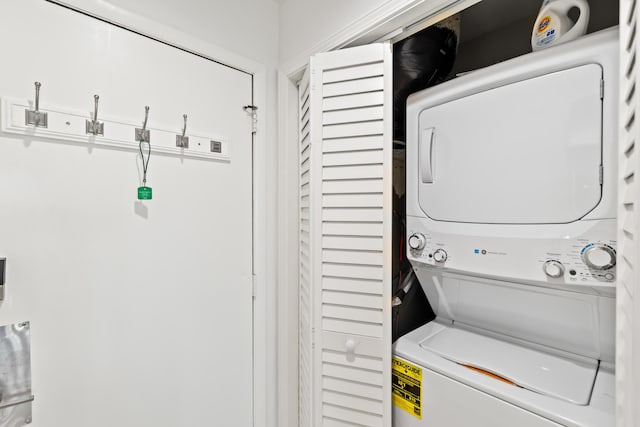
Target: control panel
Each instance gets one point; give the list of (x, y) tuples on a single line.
[(590, 261), (586, 258)]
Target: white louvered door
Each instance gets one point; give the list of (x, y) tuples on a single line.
[(628, 299), (350, 200), (305, 342)]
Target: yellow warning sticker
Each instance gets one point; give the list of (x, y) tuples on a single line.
[(407, 387)]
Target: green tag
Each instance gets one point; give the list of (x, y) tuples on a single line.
[(144, 193)]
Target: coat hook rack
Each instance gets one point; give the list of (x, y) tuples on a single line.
[(143, 135), (95, 127), (69, 126), (182, 141), (36, 117)]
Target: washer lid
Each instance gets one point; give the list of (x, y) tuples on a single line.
[(552, 375), (528, 152)]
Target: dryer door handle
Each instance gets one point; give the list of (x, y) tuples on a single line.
[(425, 155)]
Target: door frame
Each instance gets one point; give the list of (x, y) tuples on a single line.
[(264, 308)]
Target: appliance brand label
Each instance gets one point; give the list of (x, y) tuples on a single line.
[(486, 252), (544, 24)]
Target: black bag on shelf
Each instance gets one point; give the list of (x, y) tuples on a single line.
[(420, 61)]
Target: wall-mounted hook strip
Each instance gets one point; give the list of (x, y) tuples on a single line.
[(95, 127), (68, 125), (182, 141), (36, 117), (143, 135)]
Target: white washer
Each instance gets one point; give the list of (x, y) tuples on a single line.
[(511, 218)]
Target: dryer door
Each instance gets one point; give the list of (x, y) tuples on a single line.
[(523, 153)]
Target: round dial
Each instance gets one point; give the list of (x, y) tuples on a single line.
[(599, 256), (417, 241), (440, 255), (553, 268)]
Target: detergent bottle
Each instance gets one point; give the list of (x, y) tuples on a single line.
[(553, 25)]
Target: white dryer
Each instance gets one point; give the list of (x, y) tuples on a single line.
[(511, 219)]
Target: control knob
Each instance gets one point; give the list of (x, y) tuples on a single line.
[(553, 268), (417, 241), (440, 255), (599, 256)]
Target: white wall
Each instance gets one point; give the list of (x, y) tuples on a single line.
[(128, 301), (243, 33), (245, 27), (307, 23), (232, 31)]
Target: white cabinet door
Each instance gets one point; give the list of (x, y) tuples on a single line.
[(141, 312), (350, 194), (305, 302), (628, 296)]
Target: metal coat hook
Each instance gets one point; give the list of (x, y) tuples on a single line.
[(95, 127), (182, 141), (143, 135), (36, 117)]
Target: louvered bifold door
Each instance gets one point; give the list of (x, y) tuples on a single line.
[(351, 199), (628, 290), (305, 314)]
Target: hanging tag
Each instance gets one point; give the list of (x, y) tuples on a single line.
[(144, 193)]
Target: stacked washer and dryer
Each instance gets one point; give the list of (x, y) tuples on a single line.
[(511, 220)]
